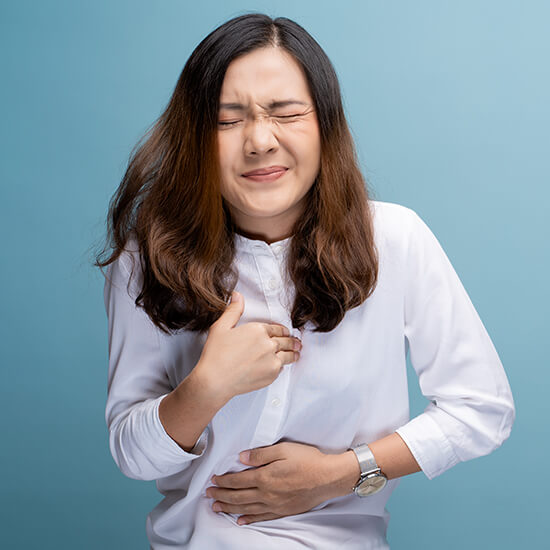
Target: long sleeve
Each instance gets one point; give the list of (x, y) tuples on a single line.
[(137, 382), (471, 409)]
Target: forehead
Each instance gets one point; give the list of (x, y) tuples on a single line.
[(262, 76)]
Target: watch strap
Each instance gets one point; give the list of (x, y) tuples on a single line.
[(366, 459)]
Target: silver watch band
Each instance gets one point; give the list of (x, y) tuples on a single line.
[(366, 459)]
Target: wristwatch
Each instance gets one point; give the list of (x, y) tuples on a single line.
[(372, 479)]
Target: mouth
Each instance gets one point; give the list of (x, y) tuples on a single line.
[(266, 174), (265, 171)]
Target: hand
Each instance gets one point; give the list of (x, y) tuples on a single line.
[(248, 357), (289, 478)]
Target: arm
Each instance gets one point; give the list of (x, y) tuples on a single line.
[(291, 478), (187, 410), (137, 384), (471, 408), (391, 454)]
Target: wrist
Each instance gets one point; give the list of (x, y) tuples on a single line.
[(344, 472), (204, 385)]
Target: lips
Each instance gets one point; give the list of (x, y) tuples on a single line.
[(265, 171)]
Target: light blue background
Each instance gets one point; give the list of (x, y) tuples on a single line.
[(449, 106)]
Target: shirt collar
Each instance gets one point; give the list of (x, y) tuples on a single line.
[(259, 247)]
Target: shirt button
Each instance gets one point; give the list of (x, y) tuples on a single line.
[(273, 284), (275, 401)]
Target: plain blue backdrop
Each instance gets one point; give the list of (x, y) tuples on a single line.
[(449, 106)]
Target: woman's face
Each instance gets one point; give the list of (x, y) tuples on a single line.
[(267, 120)]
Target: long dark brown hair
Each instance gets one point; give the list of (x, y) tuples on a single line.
[(169, 200)]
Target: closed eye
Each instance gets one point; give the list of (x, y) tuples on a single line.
[(232, 123)]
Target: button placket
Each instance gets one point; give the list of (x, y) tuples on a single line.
[(270, 275), (275, 406), (278, 249), (272, 415), (273, 283)]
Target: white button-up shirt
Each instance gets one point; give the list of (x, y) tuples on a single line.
[(349, 386)]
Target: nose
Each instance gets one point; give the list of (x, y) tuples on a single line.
[(259, 137)]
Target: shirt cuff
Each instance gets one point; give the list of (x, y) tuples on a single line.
[(169, 447), (428, 444)]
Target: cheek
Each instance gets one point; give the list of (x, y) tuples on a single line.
[(226, 153), (311, 160), (307, 149)]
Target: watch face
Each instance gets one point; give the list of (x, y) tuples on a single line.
[(371, 485)]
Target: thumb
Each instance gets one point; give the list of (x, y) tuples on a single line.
[(233, 311), (260, 455)]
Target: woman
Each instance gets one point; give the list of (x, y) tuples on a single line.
[(247, 191)]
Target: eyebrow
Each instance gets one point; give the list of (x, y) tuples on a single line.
[(272, 105)]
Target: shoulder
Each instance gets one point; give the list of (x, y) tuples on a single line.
[(401, 232), (392, 222), (125, 271)]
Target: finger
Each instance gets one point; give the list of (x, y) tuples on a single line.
[(234, 496), (239, 480), (253, 518), (288, 357), (275, 329), (252, 508), (288, 343), (232, 313)]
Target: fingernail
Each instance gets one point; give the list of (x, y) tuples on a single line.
[(213, 480), (297, 344), (216, 507), (244, 456)]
